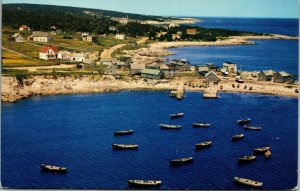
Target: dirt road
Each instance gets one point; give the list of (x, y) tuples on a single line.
[(106, 54)]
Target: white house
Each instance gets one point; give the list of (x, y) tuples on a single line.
[(38, 36), (77, 57), (64, 55), (48, 52), (24, 28), (17, 37), (120, 36)]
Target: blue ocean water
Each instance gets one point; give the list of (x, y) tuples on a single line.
[(76, 131), (260, 25)]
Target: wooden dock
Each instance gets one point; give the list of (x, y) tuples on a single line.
[(211, 92), (180, 92)]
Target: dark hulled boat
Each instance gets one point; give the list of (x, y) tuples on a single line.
[(201, 125), (241, 121), (123, 132), (51, 168), (166, 126), (261, 150), (237, 137), (124, 146), (144, 183), (246, 159), (251, 127), (175, 115), (248, 182), (181, 161), (203, 145)]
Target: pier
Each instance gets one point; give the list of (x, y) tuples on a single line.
[(211, 92), (180, 92)]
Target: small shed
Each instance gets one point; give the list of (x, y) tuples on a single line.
[(212, 77), (281, 77), (136, 68), (265, 75), (152, 73), (17, 37)]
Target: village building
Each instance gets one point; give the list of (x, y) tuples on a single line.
[(64, 55), (169, 73), (89, 62), (24, 28), (112, 28), (181, 64), (107, 62), (191, 31), (282, 77), (171, 25), (266, 75), (111, 70), (152, 73), (48, 52), (202, 69), (120, 36), (153, 65), (212, 67), (136, 68), (229, 68), (38, 36), (77, 57), (17, 37), (211, 77), (175, 36)]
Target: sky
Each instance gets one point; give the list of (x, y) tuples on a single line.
[(201, 8)]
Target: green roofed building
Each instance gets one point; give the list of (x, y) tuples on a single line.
[(152, 73)]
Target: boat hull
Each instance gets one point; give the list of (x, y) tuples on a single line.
[(181, 161), (118, 133), (165, 126), (200, 125), (54, 169), (246, 160), (124, 147), (248, 182), (203, 145), (260, 150), (176, 115), (144, 183)]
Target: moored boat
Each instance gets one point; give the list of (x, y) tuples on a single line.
[(166, 126), (124, 146), (247, 120), (123, 132), (203, 145), (261, 150), (248, 182), (181, 161), (145, 183), (251, 127), (176, 115), (237, 137), (201, 124), (245, 159), (51, 168), (268, 154)]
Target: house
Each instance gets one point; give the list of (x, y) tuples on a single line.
[(152, 73), (122, 61), (173, 25), (175, 36), (111, 70), (56, 32), (211, 77), (48, 52), (64, 55), (38, 36), (77, 57), (265, 75), (281, 77), (90, 63), (17, 37), (212, 67), (24, 28), (202, 69), (107, 62), (181, 64), (88, 38), (136, 68), (120, 36), (191, 31), (112, 28), (228, 68), (154, 65), (169, 73)]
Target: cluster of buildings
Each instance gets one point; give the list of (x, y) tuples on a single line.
[(270, 75)]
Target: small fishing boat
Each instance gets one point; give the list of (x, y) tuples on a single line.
[(166, 126), (124, 146), (203, 145), (176, 115), (201, 125), (267, 154), (251, 127), (51, 168), (181, 161), (245, 159), (144, 183), (123, 132), (237, 137), (247, 120), (261, 150), (239, 80), (248, 182)]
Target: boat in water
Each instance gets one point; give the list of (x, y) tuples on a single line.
[(261, 150), (267, 154), (166, 126), (203, 145), (248, 182), (176, 115), (52, 168), (144, 183), (241, 121), (246, 159), (251, 127), (123, 132), (201, 124), (124, 146), (181, 161), (237, 137)]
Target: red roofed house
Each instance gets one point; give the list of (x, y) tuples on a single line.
[(191, 31), (48, 52), (24, 28)]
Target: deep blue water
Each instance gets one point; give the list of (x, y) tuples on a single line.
[(278, 55), (76, 131), (273, 26)]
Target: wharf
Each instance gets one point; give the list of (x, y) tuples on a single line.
[(211, 92), (180, 92)]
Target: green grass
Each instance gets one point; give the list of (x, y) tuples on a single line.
[(120, 51)]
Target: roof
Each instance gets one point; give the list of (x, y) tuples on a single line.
[(24, 26), (40, 34), (203, 68), (137, 66), (45, 49), (284, 74), (191, 31), (269, 72), (78, 55), (64, 52), (151, 71), (211, 72), (16, 35)]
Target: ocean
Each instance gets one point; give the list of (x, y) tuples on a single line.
[(76, 131)]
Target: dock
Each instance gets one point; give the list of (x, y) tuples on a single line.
[(180, 92), (211, 92)]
